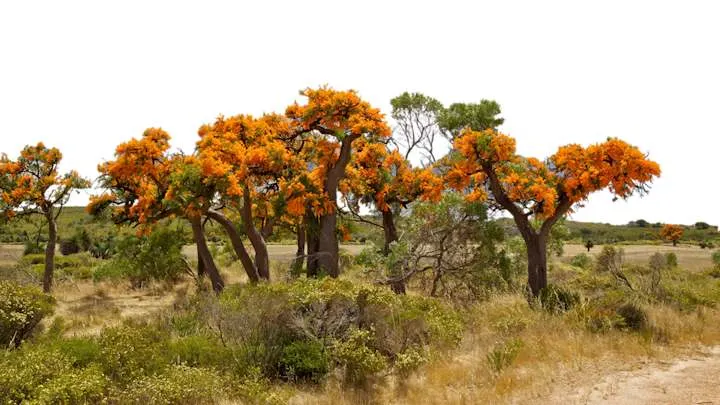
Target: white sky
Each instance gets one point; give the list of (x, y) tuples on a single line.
[(86, 75)]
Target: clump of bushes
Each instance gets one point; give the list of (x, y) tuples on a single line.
[(301, 330), (157, 256), (21, 309), (582, 261)]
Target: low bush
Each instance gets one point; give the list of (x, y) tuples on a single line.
[(582, 260), (556, 299), (305, 361), (178, 385), (503, 354), (21, 309)]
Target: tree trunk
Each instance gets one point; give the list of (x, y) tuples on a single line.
[(296, 265), (537, 263), (675, 242), (588, 250), (50, 251), (204, 255), (329, 249), (398, 287), (262, 259), (201, 265), (312, 227), (237, 243)]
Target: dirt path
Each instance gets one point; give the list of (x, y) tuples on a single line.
[(694, 380)]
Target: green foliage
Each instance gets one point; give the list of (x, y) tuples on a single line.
[(671, 260), (556, 299), (305, 361), (582, 261), (477, 116), (75, 386), (357, 355), (32, 248), (610, 259), (21, 309), (178, 385), (503, 354), (142, 259), (290, 330), (633, 316), (128, 352), (716, 258)]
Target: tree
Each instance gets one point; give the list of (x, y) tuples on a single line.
[(254, 171), (673, 233), (31, 185), (145, 184), (416, 118), (386, 180), (478, 116), (589, 244), (325, 128), (486, 165), (702, 225)]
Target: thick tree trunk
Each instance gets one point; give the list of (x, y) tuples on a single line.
[(50, 251), (204, 255), (675, 242), (537, 263), (312, 227), (398, 287), (262, 259), (237, 243), (329, 248), (296, 265)]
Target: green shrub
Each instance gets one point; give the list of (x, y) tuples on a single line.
[(503, 354), (633, 316), (21, 309), (32, 248), (671, 260), (83, 386), (69, 246), (582, 260), (81, 351), (358, 357), (305, 361), (129, 352), (178, 385), (141, 259), (716, 258), (199, 351), (23, 371), (556, 299)]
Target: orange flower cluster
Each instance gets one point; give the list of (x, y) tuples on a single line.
[(572, 173)]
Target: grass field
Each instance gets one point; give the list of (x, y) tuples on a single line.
[(690, 257)]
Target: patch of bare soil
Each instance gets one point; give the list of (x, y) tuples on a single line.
[(692, 380)]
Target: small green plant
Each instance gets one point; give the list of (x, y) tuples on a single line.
[(556, 299), (360, 359), (305, 361), (503, 354), (582, 260), (671, 260)]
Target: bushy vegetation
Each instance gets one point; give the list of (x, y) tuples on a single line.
[(21, 309)]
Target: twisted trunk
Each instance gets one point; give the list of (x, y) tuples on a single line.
[(398, 287), (262, 259), (204, 255), (237, 243), (50, 250)]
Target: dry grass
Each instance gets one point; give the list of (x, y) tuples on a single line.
[(557, 356), (689, 257)]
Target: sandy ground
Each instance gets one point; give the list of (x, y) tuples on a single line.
[(691, 380)]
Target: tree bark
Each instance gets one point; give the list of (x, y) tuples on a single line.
[(329, 249), (201, 265), (50, 250), (296, 265), (237, 243), (204, 255), (537, 263), (312, 227), (398, 287), (262, 259)]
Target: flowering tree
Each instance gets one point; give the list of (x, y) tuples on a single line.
[(31, 185), (673, 233), (325, 130), (486, 165)]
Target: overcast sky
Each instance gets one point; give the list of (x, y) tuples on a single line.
[(85, 76)]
